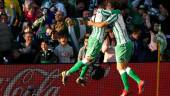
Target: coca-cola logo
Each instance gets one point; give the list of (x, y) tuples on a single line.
[(31, 82)]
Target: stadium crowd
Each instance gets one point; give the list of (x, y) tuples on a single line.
[(53, 31)]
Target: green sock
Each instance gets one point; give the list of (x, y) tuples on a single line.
[(75, 68), (132, 74), (83, 71), (124, 78)]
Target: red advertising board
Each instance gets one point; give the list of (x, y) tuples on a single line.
[(44, 80)]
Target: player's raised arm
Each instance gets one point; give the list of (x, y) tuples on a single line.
[(109, 20)]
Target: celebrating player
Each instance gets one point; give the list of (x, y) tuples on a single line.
[(94, 46), (123, 50)]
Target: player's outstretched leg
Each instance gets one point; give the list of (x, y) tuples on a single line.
[(134, 76), (81, 80), (73, 69), (125, 93), (64, 77), (141, 87)]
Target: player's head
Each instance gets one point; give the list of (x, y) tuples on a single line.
[(100, 5), (111, 5)]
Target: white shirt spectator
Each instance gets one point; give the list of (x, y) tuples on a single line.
[(64, 53)]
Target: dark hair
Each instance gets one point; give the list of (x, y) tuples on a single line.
[(100, 5), (28, 33), (86, 37), (136, 29), (114, 4), (62, 35), (45, 41), (165, 3)]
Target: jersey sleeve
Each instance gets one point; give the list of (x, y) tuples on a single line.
[(112, 18), (109, 12), (113, 15)]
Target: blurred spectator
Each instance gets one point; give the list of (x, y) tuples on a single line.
[(131, 15), (1, 4), (49, 15), (26, 51), (153, 47), (153, 43), (6, 38), (161, 39), (165, 21), (73, 34), (60, 25), (58, 5), (54, 39), (146, 19), (30, 11), (64, 51), (82, 51), (80, 8), (40, 24), (45, 55), (108, 47), (163, 12), (72, 2), (25, 29), (86, 14), (138, 48)]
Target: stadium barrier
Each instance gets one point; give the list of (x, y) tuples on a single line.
[(45, 80)]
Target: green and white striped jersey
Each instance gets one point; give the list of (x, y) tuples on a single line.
[(98, 33), (115, 19)]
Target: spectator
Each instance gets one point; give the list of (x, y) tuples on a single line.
[(161, 39), (5, 38), (30, 14), (146, 19), (80, 8), (60, 25), (73, 34), (153, 47), (64, 51), (54, 39), (58, 5), (82, 51), (86, 14), (45, 55), (25, 29), (139, 52), (26, 51), (165, 21), (108, 47)]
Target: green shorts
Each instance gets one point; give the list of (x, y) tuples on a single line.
[(93, 48), (123, 52)]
